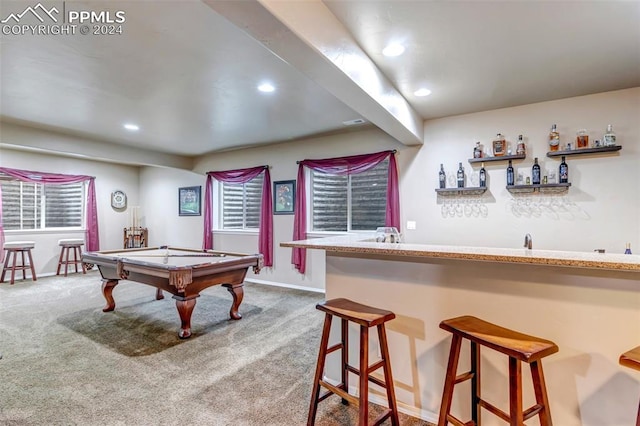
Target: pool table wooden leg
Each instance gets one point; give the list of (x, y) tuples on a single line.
[(107, 290), (237, 292), (185, 309)]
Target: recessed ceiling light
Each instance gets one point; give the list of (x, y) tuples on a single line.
[(132, 127), (422, 92), (393, 49), (266, 88)]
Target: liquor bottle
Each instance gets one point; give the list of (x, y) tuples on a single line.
[(460, 176), (535, 172), (554, 139), (483, 177), (627, 250), (477, 150), (521, 148), (499, 145), (609, 138), (563, 171), (510, 174), (443, 177)]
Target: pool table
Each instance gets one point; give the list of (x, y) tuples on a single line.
[(180, 271)]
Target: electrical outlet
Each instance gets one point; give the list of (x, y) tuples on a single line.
[(411, 224)]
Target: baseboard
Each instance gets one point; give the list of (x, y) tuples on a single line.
[(278, 284)]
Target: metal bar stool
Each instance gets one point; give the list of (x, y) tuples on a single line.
[(14, 248), (74, 246), (631, 359), (366, 317), (519, 347)]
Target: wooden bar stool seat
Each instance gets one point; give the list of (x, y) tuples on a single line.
[(518, 347), (74, 246), (631, 359), (366, 317), (13, 249)]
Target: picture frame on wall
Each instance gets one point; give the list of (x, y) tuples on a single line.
[(284, 196), (189, 201)]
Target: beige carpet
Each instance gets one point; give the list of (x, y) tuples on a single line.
[(65, 362)]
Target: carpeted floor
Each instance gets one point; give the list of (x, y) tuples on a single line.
[(65, 362)]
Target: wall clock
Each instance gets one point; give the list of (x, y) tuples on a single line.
[(118, 199)]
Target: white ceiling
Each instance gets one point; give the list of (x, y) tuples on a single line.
[(187, 71)]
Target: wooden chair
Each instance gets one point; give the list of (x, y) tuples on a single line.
[(13, 249), (631, 359), (366, 317), (518, 347), (75, 246)]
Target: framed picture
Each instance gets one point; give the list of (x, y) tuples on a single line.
[(189, 201), (284, 196)]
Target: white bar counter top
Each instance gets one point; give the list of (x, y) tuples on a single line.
[(366, 244)]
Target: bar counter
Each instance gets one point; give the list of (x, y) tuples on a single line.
[(365, 244), (587, 303)]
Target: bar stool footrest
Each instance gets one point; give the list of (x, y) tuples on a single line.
[(382, 417), (493, 409), (457, 422), (336, 390)]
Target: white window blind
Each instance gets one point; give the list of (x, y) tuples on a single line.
[(241, 204), (349, 203), (35, 206)]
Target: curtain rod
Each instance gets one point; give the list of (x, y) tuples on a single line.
[(394, 151)]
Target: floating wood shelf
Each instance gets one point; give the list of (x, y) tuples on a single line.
[(460, 191), (579, 151), (548, 187), (502, 158)]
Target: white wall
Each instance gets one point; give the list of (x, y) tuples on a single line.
[(605, 188), (159, 201), (111, 223)]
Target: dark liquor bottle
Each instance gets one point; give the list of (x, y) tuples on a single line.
[(563, 171), (510, 176), (460, 176), (483, 177), (443, 177), (535, 172)]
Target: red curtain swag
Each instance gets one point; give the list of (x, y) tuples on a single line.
[(342, 166), (92, 238), (265, 235)]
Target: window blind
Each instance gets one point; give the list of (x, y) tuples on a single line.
[(241, 204), (349, 202)]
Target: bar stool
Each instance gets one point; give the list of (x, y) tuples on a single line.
[(366, 317), (631, 359), (14, 248), (67, 245), (519, 347)]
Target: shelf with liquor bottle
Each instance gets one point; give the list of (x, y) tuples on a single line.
[(539, 184), (135, 237), (608, 144), (472, 190), (579, 151), (541, 187), (461, 189), (501, 158)]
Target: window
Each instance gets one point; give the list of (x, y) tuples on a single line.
[(28, 205), (241, 203), (351, 202)]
